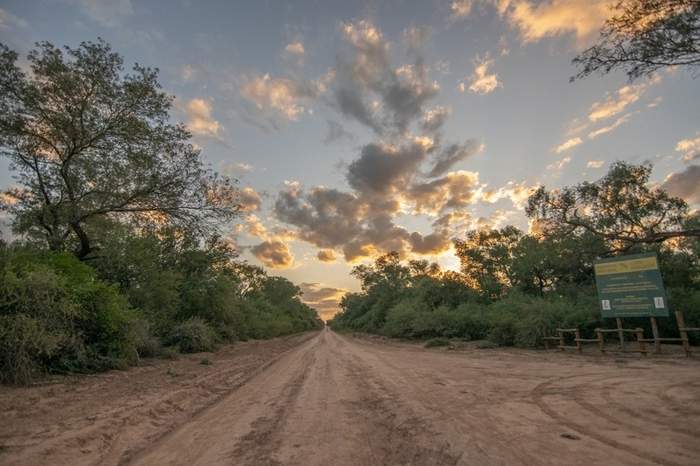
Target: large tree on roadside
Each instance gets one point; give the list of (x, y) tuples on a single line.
[(90, 142), (486, 258), (621, 208), (643, 36)]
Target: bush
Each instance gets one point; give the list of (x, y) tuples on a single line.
[(147, 345), (56, 316), (25, 343), (193, 336), (435, 342)]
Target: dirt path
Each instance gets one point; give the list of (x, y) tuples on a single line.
[(337, 400)]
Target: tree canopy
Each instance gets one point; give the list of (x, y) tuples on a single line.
[(621, 208), (89, 142), (643, 36)]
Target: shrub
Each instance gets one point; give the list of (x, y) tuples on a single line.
[(193, 336), (58, 317), (147, 345), (435, 342), (25, 343)]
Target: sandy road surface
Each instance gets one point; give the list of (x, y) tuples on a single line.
[(336, 400)]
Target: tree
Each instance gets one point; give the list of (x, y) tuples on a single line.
[(486, 259), (387, 271), (89, 142), (643, 36), (621, 208)]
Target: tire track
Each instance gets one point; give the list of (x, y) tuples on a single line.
[(399, 436), (546, 388)]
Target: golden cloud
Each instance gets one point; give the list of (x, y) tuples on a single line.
[(200, 121), (570, 143), (326, 255), (690, 148), (481, 81), (273, 253)]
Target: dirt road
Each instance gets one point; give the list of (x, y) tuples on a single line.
[(337, 400)]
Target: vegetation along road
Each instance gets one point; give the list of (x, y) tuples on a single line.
[(326, 398)]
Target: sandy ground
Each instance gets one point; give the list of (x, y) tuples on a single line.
[(328, 399)]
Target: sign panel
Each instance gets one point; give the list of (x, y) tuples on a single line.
[(631, 286)]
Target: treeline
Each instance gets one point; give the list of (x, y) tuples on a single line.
[(119, 253), (146, 295), (514, 287)]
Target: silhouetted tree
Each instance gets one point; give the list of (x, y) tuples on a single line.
[(643, 36), (91, 142), (621, 208)]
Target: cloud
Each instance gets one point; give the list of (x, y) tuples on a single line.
[(109, 13), (441, 66), (620, 100), (606, 129), (8, 20), (595, 163), (481, 82), (336, 132), (252, 226), (690, 148), (460, 9), (536, 20), (232, 169), (558, 165), (549, 18), (273, 253), (453, 154), (407, 169), (326, 255), (295, 48), (249, 199), (573, 142), (189, 72), (496, 220), (432, 244), (415, 38), (384, 168), (325, 217), (685, 184), (370, 90), (281, 96), (455, 222), (434, 118), (517, 193), (199, 119), (362, 223), (325, 299), (455, 190)]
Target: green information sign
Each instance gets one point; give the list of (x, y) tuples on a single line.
[(631, 286)]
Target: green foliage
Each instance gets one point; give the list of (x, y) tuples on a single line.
[(55, 315), (194, 335), (89, 142), (437, 342), (103, 172), (58, 314)]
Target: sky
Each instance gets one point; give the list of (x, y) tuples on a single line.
[(358, 128)]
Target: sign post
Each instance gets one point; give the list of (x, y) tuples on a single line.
[(631, 286)]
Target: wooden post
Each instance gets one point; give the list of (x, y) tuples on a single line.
[(578, 340), (561, 340), (655, 332), (620, 333), (601, 341), (640, 339), (684, 335)]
